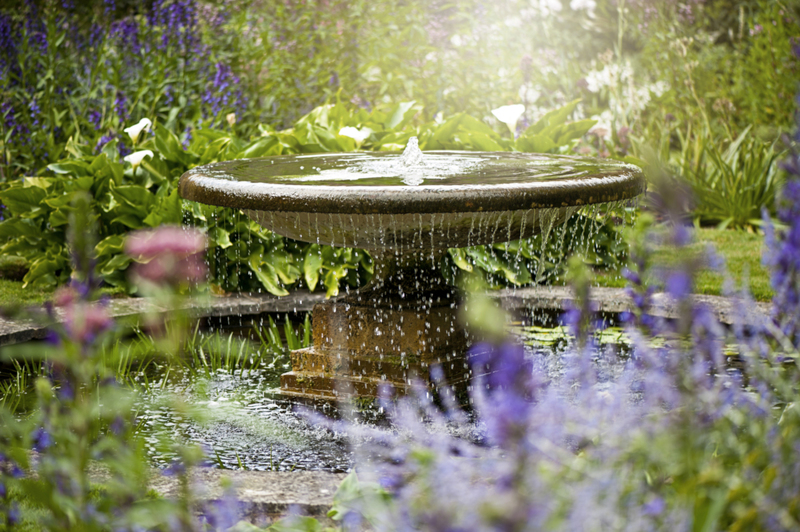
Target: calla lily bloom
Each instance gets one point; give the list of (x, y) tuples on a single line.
[(509, 114), (136, 130), (137, 157), (359, 135)]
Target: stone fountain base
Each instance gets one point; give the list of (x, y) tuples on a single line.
[(359, 350), (395, 330)]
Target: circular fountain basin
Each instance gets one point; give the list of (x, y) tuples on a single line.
[(373, 201)]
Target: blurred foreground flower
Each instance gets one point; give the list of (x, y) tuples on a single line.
[(168, 255), (509, 115), (135, 131), (83, 320)]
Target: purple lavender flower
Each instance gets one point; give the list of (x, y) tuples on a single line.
[(783, 256), (34, 27), (225, 512), (176, 468), (105, 139), (8, 41), (505, 379), (35, 111), (121, 106), (127, 32), (187, 134), (177, 22), (679, 284), (96, 118), (14, 514), (41, 439), (109, 7), (96, 35), (223, 91)]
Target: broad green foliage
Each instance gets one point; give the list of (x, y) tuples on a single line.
[(731, 185), (540, 259), (242, 255)]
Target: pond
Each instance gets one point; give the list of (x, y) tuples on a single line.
[(244, 423)]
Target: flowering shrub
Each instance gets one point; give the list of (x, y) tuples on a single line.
[(83, 416)]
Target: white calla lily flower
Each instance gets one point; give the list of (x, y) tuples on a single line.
[(136, 130), (359, 135), (137, 157), (509, 115)]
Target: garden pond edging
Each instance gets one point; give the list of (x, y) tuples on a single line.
[(610, 300)]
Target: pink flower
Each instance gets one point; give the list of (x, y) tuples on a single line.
[(66, 296), (85, 321), (168, 255), (167, 239)]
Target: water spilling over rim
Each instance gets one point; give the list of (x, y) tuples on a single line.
[(442, 182)]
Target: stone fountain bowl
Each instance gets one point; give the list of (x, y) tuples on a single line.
[(451, 199)]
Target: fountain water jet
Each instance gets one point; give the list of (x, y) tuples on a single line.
[(406, 210)]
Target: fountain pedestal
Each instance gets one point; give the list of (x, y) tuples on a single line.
[(383, 336)]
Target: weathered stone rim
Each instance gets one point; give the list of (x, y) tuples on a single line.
[(622, 181)]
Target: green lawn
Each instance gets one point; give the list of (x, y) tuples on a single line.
[(742, 254), (12, 294)]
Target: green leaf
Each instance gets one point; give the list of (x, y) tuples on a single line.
[(471, 124), (21, 200), (296, 524), (116, 263), (553, 118), (284, 266), (42, 273), (312, 263), (571, 131), (20, 227), (60, 217), (535, 144), (135, 197), (394, 141), (212, 151), (332, 278), (261, 148), (41, 182), (129, 220), (220, 237), (73, 168), (168, 211), (170, 147), (481, 142), (400, 115), (267, 275), (459, 257), (109, 246), (443, 133)]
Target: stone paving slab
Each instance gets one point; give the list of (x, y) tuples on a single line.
[(613, 300), (265, 496), (13, 331)]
